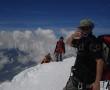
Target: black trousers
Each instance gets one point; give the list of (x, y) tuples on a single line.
[(58, 57)]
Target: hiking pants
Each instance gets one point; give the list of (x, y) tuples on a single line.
[(58, 57)]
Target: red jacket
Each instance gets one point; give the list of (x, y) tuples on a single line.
[(60, 47)]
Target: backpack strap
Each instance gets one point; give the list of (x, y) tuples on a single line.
[(105, 40)]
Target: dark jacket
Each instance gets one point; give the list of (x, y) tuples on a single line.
[(89, 50)]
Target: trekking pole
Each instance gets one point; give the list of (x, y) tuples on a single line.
[(71, 78), (68, 81)]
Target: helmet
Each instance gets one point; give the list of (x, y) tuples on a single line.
[(61, 37), (86, 22)]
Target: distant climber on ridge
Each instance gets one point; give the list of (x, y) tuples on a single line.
[(60, 49)]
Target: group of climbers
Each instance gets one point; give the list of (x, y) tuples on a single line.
[(58, 52), (90, 62)]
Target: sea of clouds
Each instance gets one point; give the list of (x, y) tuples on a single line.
[(37, 43)]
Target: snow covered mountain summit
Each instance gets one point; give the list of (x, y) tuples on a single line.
[(50, 76)]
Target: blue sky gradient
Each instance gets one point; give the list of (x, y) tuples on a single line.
[(56, 14)]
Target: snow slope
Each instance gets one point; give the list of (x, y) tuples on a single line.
[(51, 76)]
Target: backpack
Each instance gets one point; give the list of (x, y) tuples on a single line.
[(105, 41)]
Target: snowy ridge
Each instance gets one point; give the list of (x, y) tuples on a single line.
[(51, 76)]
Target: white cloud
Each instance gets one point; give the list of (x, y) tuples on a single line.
[(70, 51), (38, 42), (3, 61), (67, 33)]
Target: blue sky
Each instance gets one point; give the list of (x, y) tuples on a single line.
[(56, 14)]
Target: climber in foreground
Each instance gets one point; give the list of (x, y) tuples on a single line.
[(59, 49), (88, 68)]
